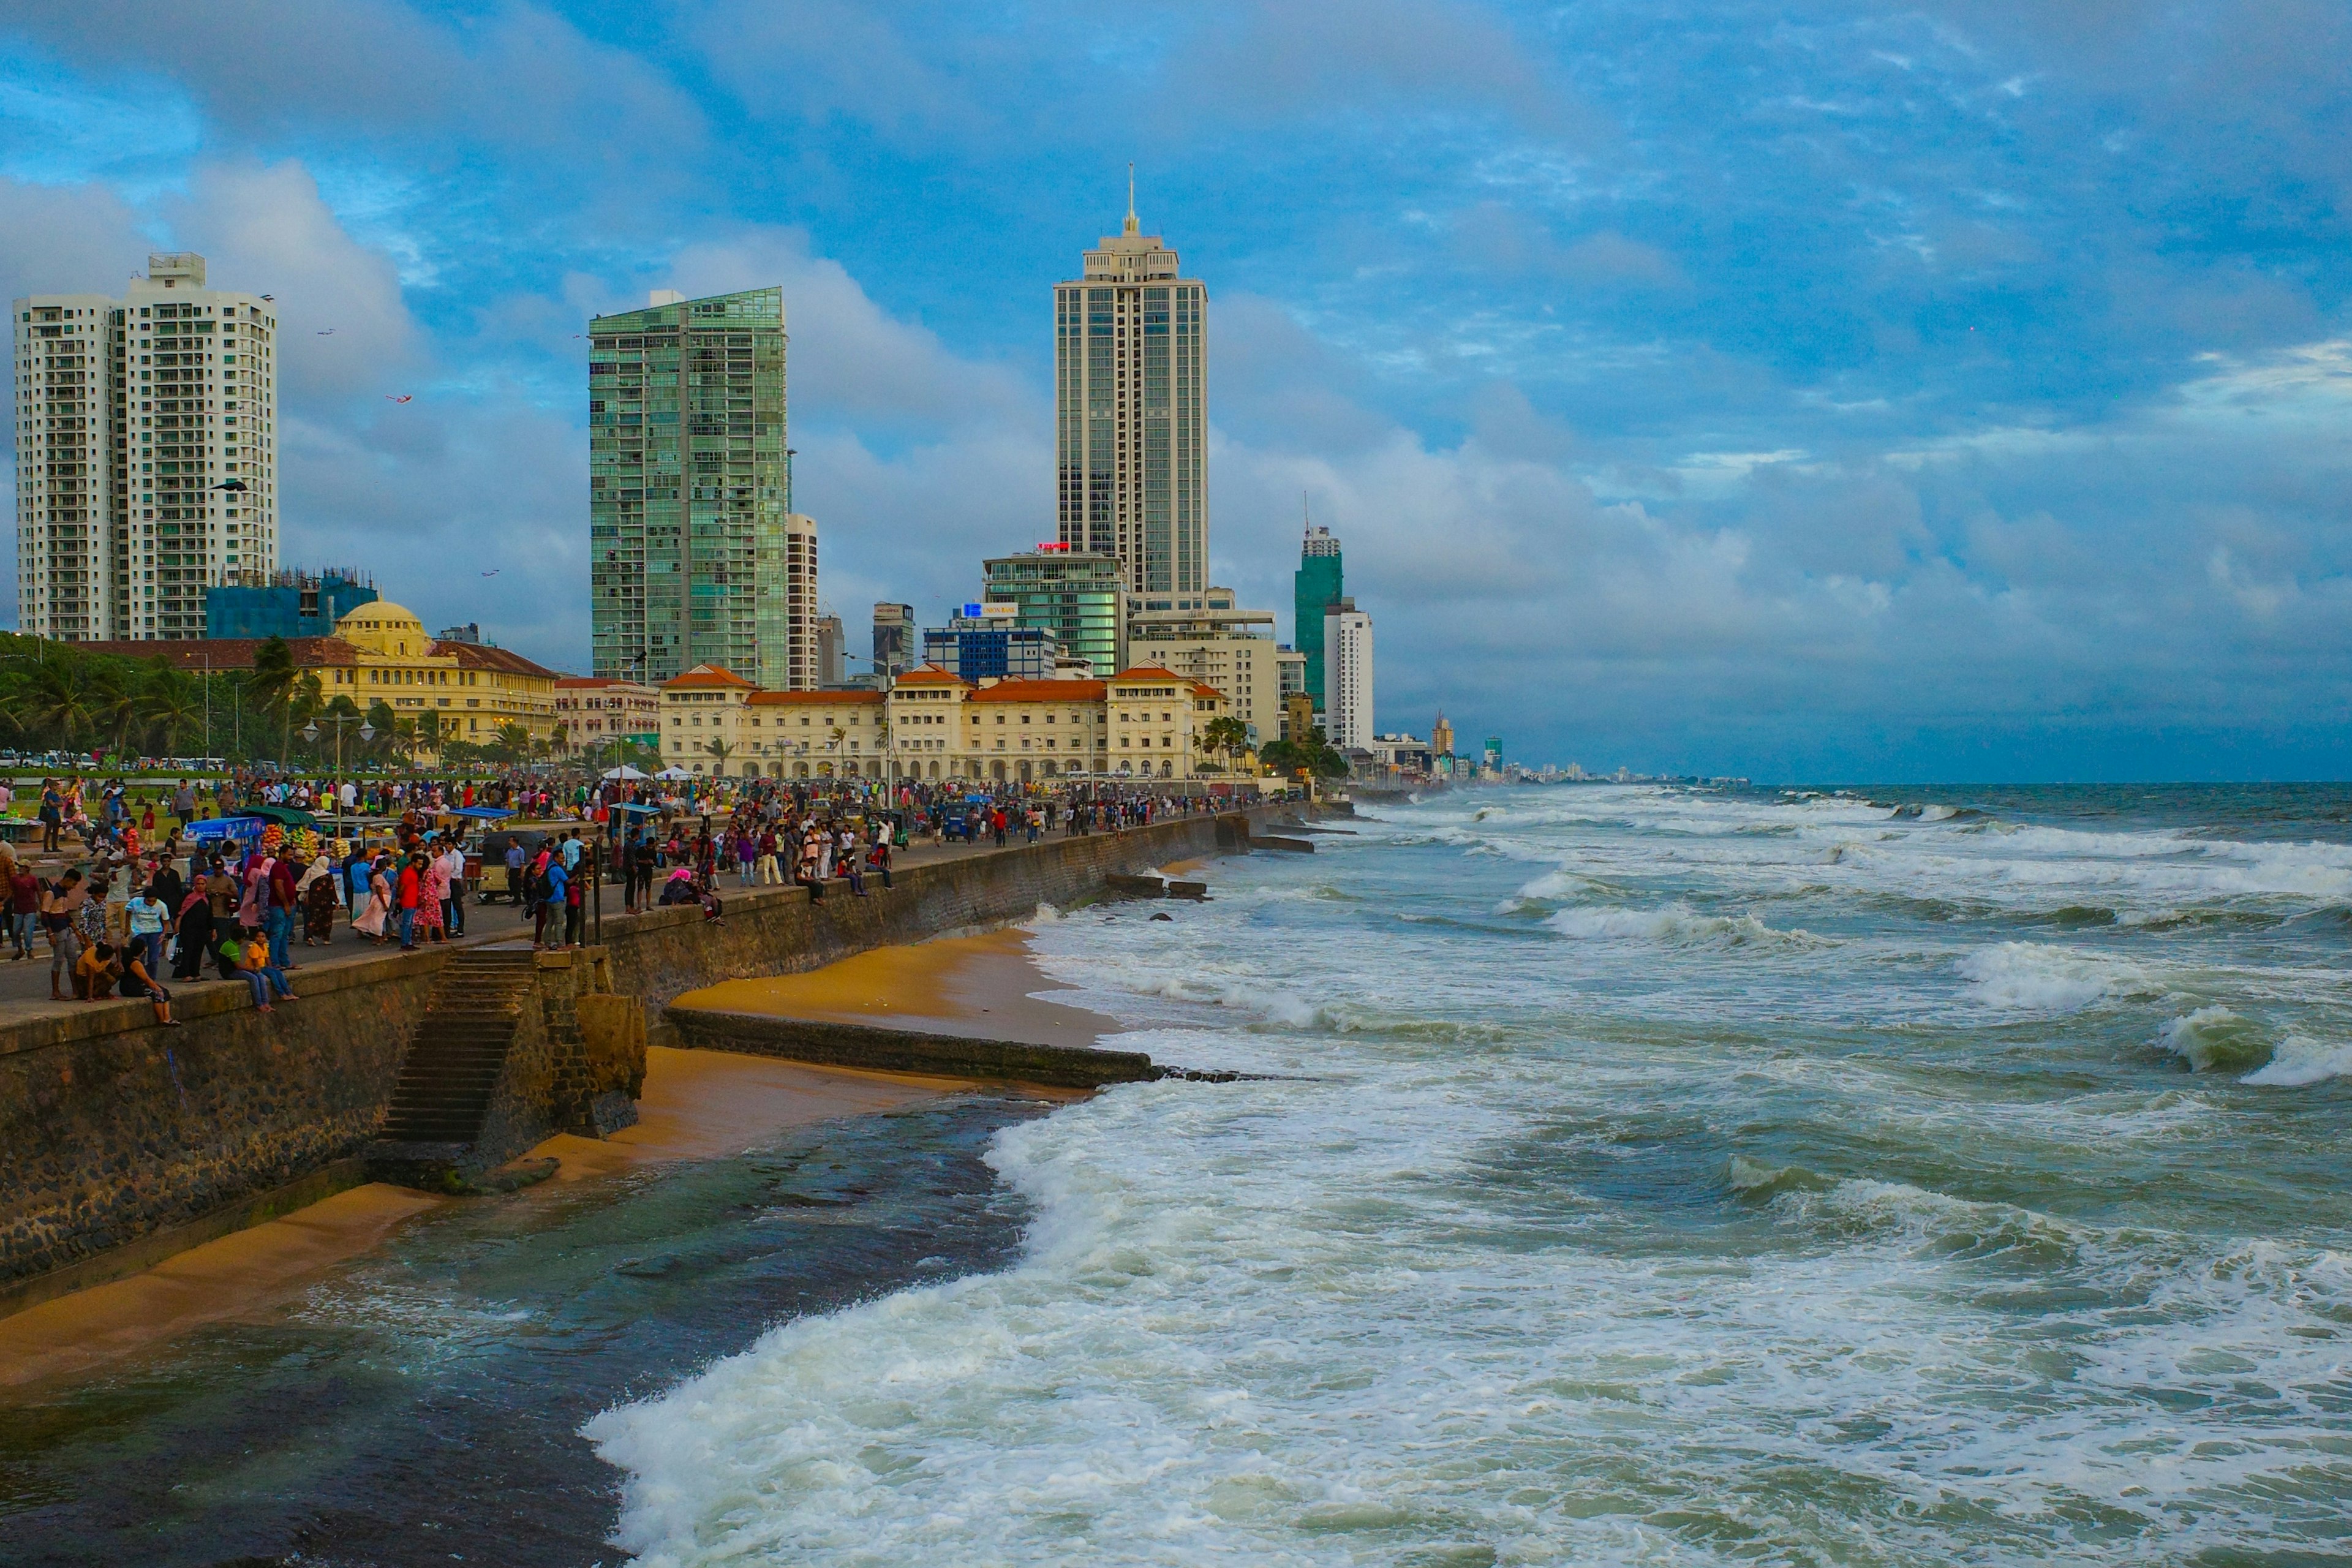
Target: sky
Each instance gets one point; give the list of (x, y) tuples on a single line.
[(1819, 390)]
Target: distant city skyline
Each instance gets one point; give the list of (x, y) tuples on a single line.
[(1804, 391)]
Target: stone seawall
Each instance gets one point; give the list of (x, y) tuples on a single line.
[(116, 1136)]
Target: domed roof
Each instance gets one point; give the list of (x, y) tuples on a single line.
[(385, 628), (391, 616)]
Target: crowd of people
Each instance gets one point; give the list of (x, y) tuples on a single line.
[(157, 898)]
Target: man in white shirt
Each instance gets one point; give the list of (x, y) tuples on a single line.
[(453, 865)]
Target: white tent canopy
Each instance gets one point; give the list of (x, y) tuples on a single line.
[(624, 772), (673, 773)]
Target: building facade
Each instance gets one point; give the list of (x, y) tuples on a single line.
[(894, 640), (1074, 597), (286, 604), (1348, 676), (599, 715), (930, 725), (146, 453), (987, 641), (1218, 646), (1131, 432), (1318, 584), (831, 652), (691, 537)]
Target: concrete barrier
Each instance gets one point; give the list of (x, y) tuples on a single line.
[(873, 1049)]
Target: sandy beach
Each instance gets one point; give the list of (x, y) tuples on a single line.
[(986, 987), (698, 1105)]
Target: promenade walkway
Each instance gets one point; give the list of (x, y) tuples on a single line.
[(24, 985)]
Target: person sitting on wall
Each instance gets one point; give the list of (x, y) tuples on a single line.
[(136, 977)]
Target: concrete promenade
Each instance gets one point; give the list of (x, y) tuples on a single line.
[(24, 985)]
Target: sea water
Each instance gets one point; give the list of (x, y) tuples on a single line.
[(1637, 1176)]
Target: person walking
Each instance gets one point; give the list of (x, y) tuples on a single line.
[(514, 861), (375, 909), (319, 903), (24, 907), (184, 804), (282, 885), (551, 890)]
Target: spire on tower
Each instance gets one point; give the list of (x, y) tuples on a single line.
[(1132, 226)]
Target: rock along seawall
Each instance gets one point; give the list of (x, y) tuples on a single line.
[(122, 1143)]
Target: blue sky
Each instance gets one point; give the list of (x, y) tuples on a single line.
[(1802, 390)]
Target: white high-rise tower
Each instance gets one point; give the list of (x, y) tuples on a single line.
[(1132, 426), (146, 454)]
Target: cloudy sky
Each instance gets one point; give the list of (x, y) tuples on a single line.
[(1812, 390)]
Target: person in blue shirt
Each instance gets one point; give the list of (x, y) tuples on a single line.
[(558, 885)]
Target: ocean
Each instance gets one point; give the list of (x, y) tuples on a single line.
[(1631, 1174), (1638, 1175)]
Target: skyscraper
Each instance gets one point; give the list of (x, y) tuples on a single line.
[(1347, 655), (1132, 428), (832, 646), (893, 640), (1317, 585), (696, 556), (146, 454)]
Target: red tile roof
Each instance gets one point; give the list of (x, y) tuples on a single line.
[(707, 675), (929, 675), (479, 655)]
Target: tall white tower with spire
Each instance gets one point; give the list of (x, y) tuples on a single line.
[(1131, 425)]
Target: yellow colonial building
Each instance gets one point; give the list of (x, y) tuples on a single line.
[(470, 691), (1144, 723)]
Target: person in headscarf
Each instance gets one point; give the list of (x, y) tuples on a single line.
[(320, 905)]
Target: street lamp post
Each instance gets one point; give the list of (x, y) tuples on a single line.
[(367, 734)]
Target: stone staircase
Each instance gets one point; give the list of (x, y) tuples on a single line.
[(456, 1055)]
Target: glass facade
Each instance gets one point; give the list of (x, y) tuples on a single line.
[(1317, 587), (1132, 414), (689, 488), (288, 605), (1073, 596)]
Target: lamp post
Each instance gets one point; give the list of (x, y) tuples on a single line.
[(367, 734)]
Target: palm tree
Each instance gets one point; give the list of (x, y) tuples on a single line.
[(719, 750), (1225, 735), (274, 675), (175, 708), (61, 698), (121, 707)]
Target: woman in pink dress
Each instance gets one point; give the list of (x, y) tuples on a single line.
[(428, 908)]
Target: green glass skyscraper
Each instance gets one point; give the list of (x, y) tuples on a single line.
[(1317, 586), (689, 490), (1072, 594)]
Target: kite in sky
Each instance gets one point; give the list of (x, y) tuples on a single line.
[(326, 331), (493, 571), (399, 397)]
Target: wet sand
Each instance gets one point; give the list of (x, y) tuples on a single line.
[(696, 1105), (986, 987)]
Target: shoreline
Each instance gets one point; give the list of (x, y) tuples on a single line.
[(696, 1105)]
